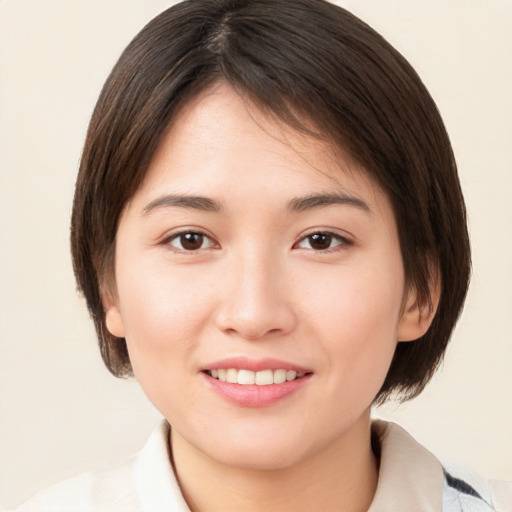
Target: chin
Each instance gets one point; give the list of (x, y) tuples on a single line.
[(266, 459), (273, 449)]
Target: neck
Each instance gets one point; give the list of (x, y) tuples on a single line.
[(341, 476)]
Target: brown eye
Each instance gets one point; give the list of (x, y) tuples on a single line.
[(190, 241), (322, 241)]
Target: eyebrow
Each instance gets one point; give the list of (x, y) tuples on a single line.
[(300, 204), (297, 204), (182, 201)]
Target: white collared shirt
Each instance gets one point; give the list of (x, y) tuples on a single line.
[(411, 479)]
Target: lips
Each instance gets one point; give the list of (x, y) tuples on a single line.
[(255, 383)]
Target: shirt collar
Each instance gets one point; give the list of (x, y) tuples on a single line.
[(410, 477), (155, 482)]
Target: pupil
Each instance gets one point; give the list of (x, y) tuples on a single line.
[(191, 241), (320, 241)]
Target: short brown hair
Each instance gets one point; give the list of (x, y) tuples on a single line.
[(300, 60)]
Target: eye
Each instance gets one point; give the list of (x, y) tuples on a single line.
[(322, 241), (190, 241)]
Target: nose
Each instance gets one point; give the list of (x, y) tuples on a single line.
[(256, 301)]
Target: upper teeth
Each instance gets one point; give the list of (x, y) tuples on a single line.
[(261, 378)]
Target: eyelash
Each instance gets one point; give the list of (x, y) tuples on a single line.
[(342, 241), (330, 236), (177, 236)]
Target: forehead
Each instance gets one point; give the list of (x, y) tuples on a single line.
[(219, 142)]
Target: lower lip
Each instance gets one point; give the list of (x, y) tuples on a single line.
[(252, 395)]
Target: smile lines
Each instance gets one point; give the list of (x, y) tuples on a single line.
[(261, 378)]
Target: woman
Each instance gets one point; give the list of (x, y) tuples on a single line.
[(269, 232)]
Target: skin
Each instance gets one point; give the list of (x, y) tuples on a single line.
[(258, 285)]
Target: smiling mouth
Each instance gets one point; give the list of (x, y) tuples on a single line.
[(260, 378)]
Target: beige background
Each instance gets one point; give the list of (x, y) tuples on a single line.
[(61, 412)]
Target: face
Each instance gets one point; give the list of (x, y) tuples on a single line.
[(260, 287)]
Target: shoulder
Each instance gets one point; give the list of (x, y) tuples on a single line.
[(144, 482), (463, 490), (412, 478), (109, 489)]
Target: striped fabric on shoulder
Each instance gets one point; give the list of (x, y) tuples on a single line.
[(460, 496)]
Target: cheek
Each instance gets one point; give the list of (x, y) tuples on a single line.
[(163, 314), (356, 315), (361, 299), (163, 311)]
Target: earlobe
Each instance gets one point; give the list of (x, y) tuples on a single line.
[(114, 321), (417, 317), (415, 322)]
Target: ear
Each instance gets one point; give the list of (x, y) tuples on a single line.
[(114, 322), (417, 317), (113, 318)]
